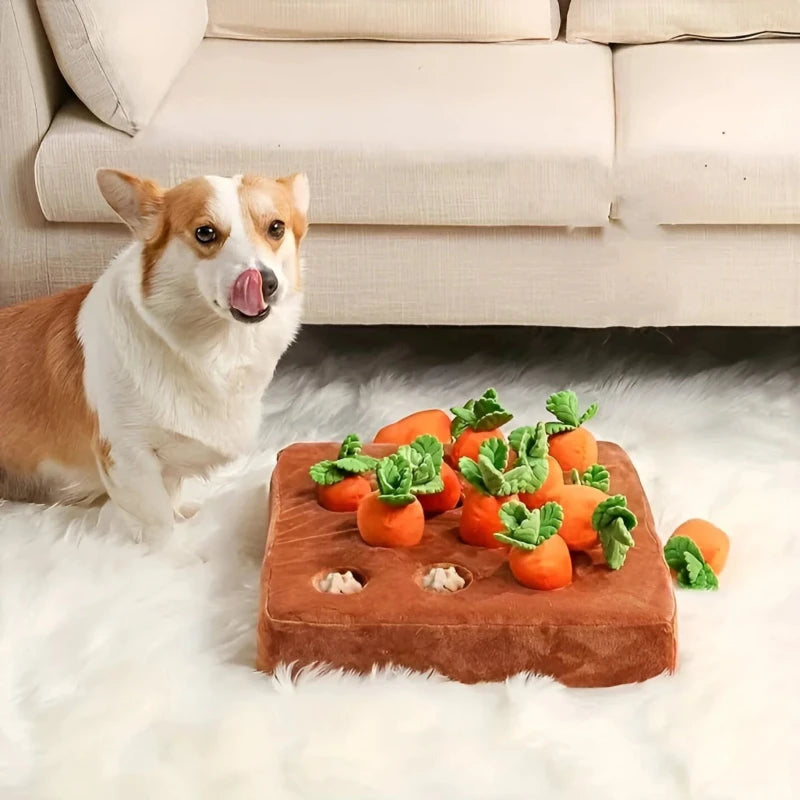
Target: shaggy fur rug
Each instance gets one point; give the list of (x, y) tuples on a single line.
[(124, 675)]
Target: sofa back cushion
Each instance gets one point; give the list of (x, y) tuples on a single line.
[(398, 20), (121, 56), (644, 21)]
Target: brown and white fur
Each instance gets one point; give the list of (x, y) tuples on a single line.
[(149, 376)]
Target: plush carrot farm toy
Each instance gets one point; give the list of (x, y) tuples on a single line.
[(530, 445), (688, 565), (392, 515), (592, 518), (431, 421), (490, 487), (341, 484), (572, 445), (539, 558), (476, 422), (435, 484)]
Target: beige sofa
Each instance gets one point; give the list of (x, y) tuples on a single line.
[(516, 180)]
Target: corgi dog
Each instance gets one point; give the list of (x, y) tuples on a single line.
[(122, 389)]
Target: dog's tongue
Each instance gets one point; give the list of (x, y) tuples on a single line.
[(246, 293)]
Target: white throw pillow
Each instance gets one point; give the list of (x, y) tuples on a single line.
[(121, 56), (644, 21), (393, 20)]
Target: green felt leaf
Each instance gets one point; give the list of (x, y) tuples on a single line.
[(351, 446), (431, 446), (496, 451), (355, 465), (697, 574), (493, 478), (676, 548), (551, 516), (483, 414), (513, 514), (326, 473), (426, 477), (510, 540), (564, 407), (553, 428), (516, 436), (472, 473), (521, 479), (574, 477), (615, 540), (614, 521), (532, 453), (588, 414), (394, 480), (596, 476)]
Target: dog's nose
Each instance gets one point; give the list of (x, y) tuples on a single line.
[(269, 282)]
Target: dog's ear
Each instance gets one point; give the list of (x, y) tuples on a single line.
[(137, 201), (298, 187)]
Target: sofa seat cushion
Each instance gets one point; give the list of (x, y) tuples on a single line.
[(427, 134), (642, 21), (404, 20), (708, 133)]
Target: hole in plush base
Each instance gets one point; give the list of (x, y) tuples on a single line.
[(444, 578), (344, 580)]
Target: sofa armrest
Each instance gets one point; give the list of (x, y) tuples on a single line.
[(32, 91)]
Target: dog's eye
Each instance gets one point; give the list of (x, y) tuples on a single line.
[(276, 229), (205, 234)]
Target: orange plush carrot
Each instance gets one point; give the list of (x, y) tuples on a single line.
[(476, 422), (571, 444), (391, 516), (712, 542), (341, 484), (539, 557), (432, 421), (490, 488), (428, 471), (592, 518), (531, 447)]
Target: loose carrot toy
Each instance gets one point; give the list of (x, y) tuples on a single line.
[(476, 422), (685, 559), (434, 483), (341, 484), (712, 542), (391, 516), (490, 487), (539, 557), (592, 518), (432, 421), (531, 447), (571, 444)]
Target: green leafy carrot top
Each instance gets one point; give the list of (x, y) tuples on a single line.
[(596, 476), (487, 473), (394, 475), (684, 556), (526, 529), (351, 461), (483, 414), (564, 406), (530, 445), (614, 521), (425, 455)]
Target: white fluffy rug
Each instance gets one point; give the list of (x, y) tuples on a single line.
[(123, 676)]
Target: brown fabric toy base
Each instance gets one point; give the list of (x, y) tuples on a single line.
[(607, 628)]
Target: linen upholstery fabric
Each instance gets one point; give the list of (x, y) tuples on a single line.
[(708, 133), (375, 275), (405, 20), (483, 134), (603, 630), (120, 57), (643, 21)]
